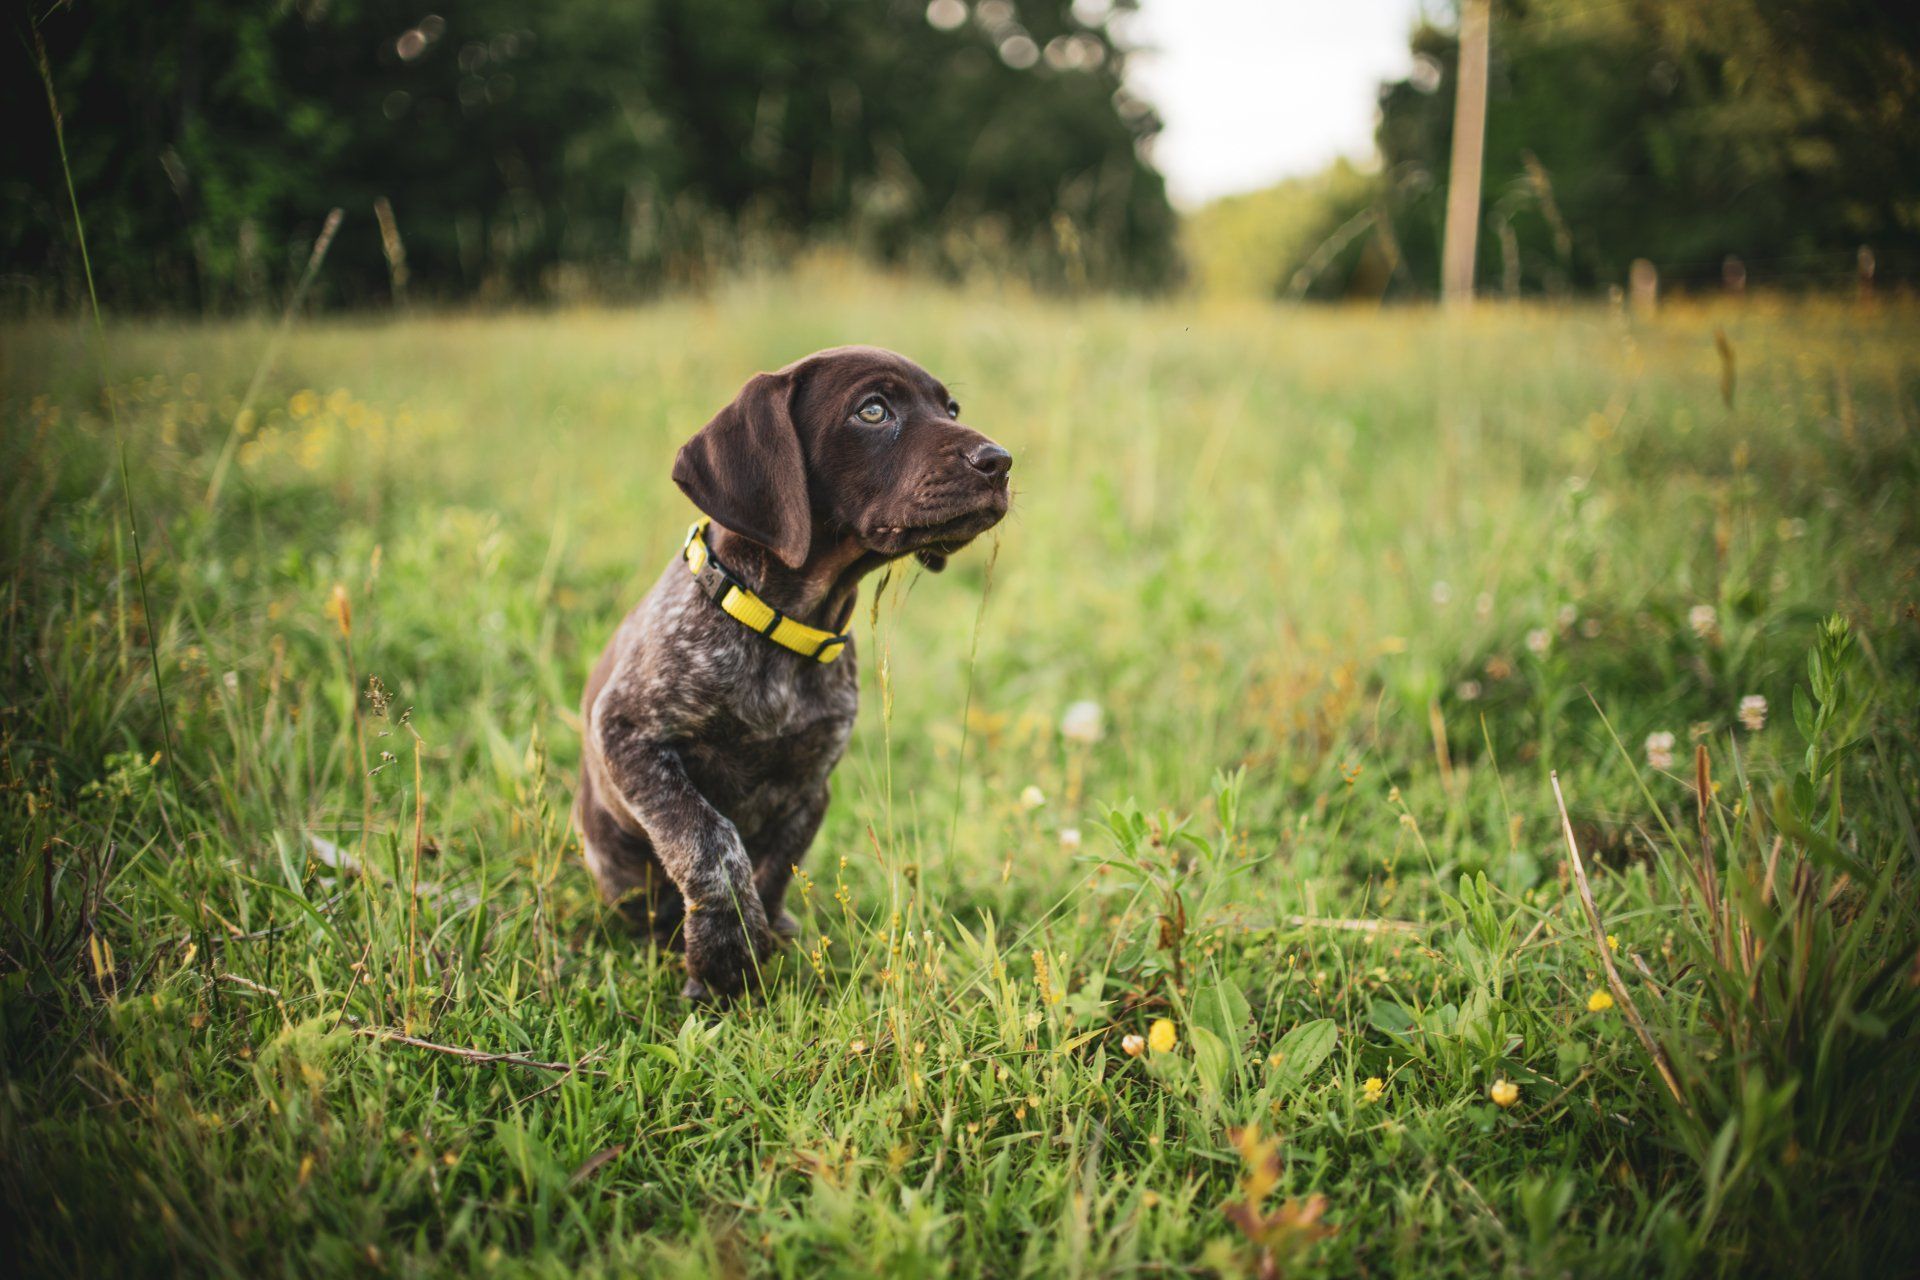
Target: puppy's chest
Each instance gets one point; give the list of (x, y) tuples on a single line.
[(784, 726)]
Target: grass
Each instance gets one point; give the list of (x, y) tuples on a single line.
[(1345, 587)]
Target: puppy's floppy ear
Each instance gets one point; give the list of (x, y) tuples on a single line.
[(745, 470)]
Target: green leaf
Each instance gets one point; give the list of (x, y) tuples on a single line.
[(1210, 1056), (1223, 1010), (1390, 1018), (1304, 1048)]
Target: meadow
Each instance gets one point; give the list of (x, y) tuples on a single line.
[(1194, 900)]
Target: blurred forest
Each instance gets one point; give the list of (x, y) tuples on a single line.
[(579, 146), (1725, 141), (494, 151)]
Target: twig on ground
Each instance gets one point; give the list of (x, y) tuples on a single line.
[(1355, 925), (1619, 987), (479, 1056), (565, 1076)]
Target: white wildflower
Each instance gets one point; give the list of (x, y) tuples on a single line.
[(1660, 750), (1753, 712), (1082, 722)]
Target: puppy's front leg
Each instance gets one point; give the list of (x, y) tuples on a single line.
[(777, 854), (726, 925)]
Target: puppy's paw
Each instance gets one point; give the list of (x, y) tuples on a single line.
[(724, 952)]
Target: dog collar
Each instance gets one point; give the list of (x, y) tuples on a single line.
[(738, 602)]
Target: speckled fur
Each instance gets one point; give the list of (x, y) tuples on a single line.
[(707, 747)]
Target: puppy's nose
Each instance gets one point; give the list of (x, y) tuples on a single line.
[(990, 460)]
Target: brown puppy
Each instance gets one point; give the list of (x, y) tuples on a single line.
[(712, 721)]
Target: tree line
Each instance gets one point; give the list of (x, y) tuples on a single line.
[(1721, 141), (499, 150)]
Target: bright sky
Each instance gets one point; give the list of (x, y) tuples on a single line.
[(1253, 91)]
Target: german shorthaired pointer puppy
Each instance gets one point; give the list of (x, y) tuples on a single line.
[(726, 697)]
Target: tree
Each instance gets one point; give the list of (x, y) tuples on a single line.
[(527, 149)]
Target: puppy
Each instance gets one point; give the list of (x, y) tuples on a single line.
[(726, 697)]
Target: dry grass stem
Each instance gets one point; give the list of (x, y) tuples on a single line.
[(1619, 988)]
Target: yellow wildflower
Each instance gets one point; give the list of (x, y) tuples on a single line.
[(1161, 1036), (1504, 1093), (1374, 1086), (1599, 1002), (1613, 942)]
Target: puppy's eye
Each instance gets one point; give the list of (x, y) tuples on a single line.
[(873, 412), (953, 409)]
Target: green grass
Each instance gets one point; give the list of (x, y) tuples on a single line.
[(1346, 586)]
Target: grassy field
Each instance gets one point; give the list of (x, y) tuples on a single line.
[(1341, 589)]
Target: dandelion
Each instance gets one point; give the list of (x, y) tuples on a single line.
[(1373, 1088), (1032, 798), (1753, 712), (1161, 1036), (1070, 839), (1660, 750), (1133, 1045), (1538, 641), (1599, 1002), (1082, 723), (1504, 1093), (1704, 620)]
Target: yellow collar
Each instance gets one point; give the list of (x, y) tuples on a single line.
[(719, 585)]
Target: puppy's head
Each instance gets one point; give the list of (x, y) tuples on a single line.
[(853, 443)]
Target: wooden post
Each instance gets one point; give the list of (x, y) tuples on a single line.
[(393, 247), (1643, 287), (1469, 146)]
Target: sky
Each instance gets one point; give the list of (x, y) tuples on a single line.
[(1253, 91)]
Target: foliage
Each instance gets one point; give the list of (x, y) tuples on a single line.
[(1264, 243), (593, 147), (1345, 587), (1688, 132)]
